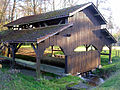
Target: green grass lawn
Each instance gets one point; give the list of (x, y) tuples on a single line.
[(111, 72), (22, 82), (19, 81)]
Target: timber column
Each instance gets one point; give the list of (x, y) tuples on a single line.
[(39, 54), (110, 51), (13, 55)]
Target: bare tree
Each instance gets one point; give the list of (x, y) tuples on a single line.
[(31, 7), (3, 8), (34, 6), (98, 2), (13, 10), (110, 25)]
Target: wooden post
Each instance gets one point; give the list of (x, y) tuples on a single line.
[(8, 55), (52, 49), (39, 52), (87, 46), (110, 58), (13, 55), (66, 64), (38, 64)]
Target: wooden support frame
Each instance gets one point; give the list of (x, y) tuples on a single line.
[(38, 56), (60, 22), (110, 52), (87, 46), (8, 51), (35, 48), (13, 46), (66, 64), (38, 62), (45, 24), (104, 54), (17, 48), (52, 47)]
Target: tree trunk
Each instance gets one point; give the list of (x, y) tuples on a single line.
[(13, 10), (34, 7)]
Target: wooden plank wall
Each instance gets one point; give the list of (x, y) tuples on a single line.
[(83, 61), (85, 30)]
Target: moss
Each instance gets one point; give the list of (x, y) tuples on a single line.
[(72, 84), (49, 15), (28, 35)]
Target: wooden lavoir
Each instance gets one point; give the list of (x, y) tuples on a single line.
[(67, 28)]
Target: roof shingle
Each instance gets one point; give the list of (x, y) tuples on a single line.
[(46, 16), (31, 35)]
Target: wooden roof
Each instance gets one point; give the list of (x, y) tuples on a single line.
[(31, 35), (66, 12), (108, 36)]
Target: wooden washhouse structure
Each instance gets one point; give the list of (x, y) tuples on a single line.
[(67, 28)]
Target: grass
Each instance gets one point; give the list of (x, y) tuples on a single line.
[(113, 83), (107, 69), (110, 72), (21, 82)]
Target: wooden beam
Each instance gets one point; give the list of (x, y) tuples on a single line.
[(104, 54), (38, 57), (66, 64), (60, 22), (13, 55), (17, 48), (45, 24), (35, 48), (56, 50), (50, 35), (110, 58), (8, 55), (38, 65), (39, 54), (20, 41), (52, 49), (96, 14), (87, 46)]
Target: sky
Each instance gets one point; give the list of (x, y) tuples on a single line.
[(115, 7), (115, 11)]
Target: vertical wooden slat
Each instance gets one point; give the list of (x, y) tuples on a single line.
[(83, 61)]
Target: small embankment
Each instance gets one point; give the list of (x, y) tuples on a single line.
[(111, 75)]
